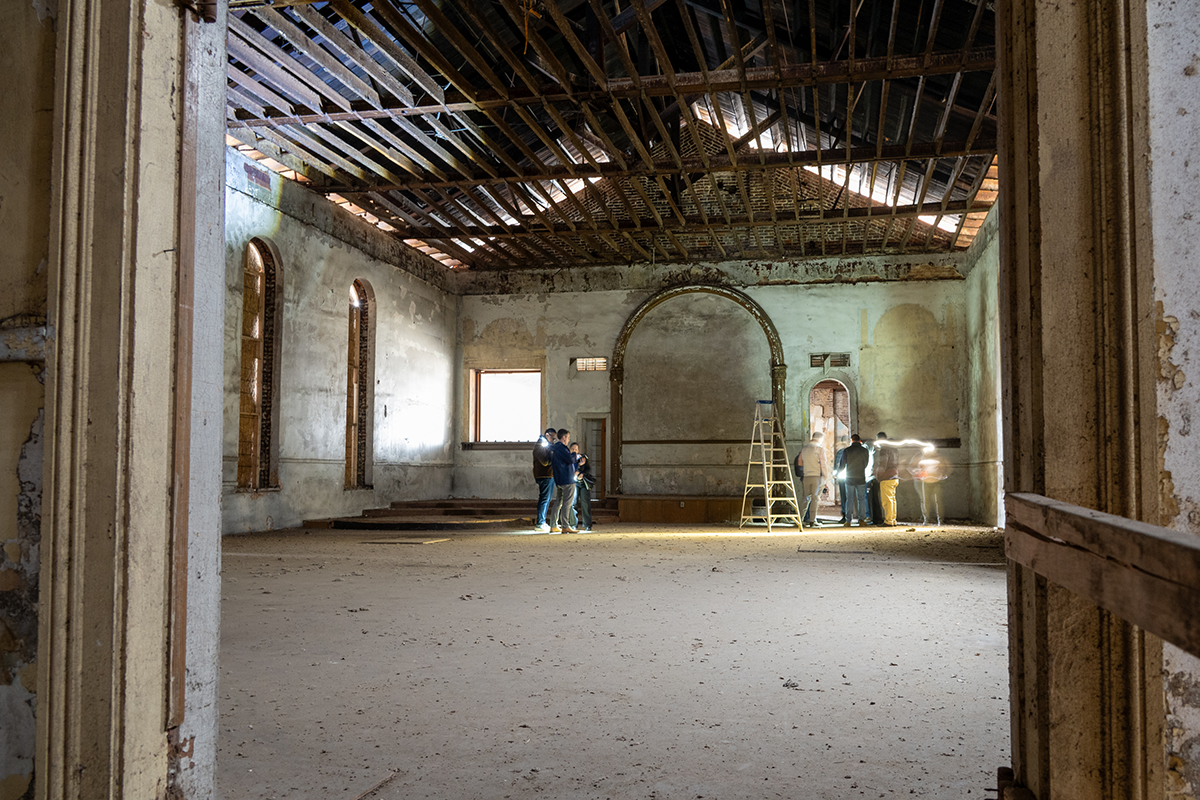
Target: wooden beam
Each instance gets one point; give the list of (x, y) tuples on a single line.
[(694, 225), (691, 165), (789, 76), (1145, 574)]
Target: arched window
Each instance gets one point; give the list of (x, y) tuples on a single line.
[(262, 309), (360, 386)]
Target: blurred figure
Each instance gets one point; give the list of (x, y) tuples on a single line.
[(887, 478), (928, 471), (857, 460), (812, 457), (839, 474)]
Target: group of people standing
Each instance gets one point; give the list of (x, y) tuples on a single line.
[(564, 478), (867, 478)]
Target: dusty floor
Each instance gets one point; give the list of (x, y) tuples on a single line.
[(638, 662)]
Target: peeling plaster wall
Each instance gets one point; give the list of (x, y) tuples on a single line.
[(909, 369), (534, 331), (21, 450), (415, 350), (983, 434), (694, 368), (27, 48), (1174, 86)]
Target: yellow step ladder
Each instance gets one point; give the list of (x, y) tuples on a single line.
[(770, 471)]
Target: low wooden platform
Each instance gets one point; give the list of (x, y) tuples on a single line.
[(674, 509), (461, 514)]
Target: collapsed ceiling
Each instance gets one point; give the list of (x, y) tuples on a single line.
[(503, 134)]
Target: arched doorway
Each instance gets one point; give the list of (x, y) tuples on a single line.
[(829, 417), (763, 375)]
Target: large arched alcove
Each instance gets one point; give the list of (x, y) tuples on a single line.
[(684, 379)]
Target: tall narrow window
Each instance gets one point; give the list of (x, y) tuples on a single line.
[(360, 387), (261, 310)]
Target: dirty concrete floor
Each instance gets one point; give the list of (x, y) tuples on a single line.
[(638, 662)]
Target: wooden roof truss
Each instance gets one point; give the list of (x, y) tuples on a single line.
[(501, 134)]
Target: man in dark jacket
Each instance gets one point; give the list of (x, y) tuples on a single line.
[(544, 475), (839, 471), (562, 460), (857, 460)]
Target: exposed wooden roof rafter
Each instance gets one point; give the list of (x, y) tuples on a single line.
[(585, 136)]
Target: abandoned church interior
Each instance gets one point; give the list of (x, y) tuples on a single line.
[(277, 262)]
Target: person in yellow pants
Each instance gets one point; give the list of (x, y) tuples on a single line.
[(887, 474)]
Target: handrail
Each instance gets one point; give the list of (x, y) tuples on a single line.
[(1145, 574)]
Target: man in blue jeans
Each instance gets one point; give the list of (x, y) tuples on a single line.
[(543, 473), (562, 512), (858, 462)]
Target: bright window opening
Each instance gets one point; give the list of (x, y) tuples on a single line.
[(591, 364), (508, 405)]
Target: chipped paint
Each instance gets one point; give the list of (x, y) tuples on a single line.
[(24, 344), (1168, 330), (1168, 507), (19, 567), (1182, 690)]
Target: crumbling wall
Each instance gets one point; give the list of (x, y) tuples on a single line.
[(323, 250), (1174, 100), (20, 534), (907, 369), (908, 372), (27, 38), (982, 429), (534, 331), (694, 368)]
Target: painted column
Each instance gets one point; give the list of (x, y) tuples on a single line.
[(1075, 293), (126, 223)]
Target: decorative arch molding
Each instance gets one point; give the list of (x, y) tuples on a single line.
[(617, 370), (806, 392)]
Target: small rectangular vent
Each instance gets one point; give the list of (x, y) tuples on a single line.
[(817, 360), (591, 364)]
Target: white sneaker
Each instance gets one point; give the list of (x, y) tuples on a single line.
[(543, 528)]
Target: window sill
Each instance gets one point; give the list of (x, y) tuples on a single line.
[(498, 445), (263, 490)]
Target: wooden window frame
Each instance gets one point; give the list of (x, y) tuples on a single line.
[(258, 469), (474, 443)]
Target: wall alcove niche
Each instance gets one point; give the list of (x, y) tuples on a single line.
[(688, 366)]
